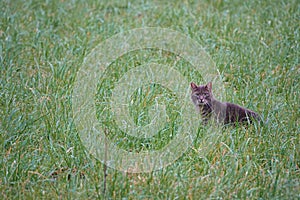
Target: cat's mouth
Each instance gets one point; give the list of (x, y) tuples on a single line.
[(201, 103)]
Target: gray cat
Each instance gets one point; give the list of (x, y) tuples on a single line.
[(223, 112)]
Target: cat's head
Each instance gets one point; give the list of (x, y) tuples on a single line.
[(202, 94)]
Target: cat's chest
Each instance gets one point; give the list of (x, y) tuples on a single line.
[(204, 109)]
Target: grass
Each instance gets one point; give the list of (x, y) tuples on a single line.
[(255, 45)]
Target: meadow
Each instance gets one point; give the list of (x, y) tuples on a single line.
[(255, 46)]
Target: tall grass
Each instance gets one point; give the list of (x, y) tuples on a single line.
[(255, 45)]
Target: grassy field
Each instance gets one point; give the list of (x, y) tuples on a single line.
[(255, 45)]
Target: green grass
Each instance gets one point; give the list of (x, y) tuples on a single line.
[(255, 45)]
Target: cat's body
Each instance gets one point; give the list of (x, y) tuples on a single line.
[(222, 112)]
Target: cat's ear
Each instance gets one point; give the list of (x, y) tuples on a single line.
[(193, 86), (209, 86)]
